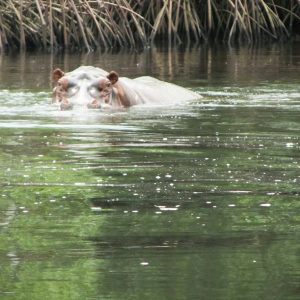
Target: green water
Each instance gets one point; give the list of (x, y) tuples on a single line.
[(196, 201)]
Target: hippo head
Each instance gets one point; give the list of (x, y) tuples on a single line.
[(90, 89)]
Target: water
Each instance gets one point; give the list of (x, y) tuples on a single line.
[(194, 201)]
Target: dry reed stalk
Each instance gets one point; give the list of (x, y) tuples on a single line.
[(209, 15), (18, 14), (176, 23), (170, 21), (2, 35), (50, 21), (126, 26), (79, 22), (65, 32), (93, 15), (22, 33), (194, 22), (1, 43), (43, 23), (136, 17), (158, 21)]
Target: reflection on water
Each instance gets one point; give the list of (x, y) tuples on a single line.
[(196, 201), (199, 66)]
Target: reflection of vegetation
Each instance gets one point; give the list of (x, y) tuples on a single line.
[(63, 248), (42, 243), (89, 24)]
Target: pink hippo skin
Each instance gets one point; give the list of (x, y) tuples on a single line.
[(97, 89)]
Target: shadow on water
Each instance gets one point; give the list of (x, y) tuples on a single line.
[(193, 201)]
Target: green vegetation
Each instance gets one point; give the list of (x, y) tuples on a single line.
[(90, 24)]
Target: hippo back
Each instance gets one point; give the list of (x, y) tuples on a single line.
[(149, 90)]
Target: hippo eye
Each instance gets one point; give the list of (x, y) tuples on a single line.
[(93, 91), (72, 91)]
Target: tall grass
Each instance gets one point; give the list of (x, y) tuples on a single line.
[(91, 24)]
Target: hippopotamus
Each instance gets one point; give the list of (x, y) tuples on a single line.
[(96, 88)]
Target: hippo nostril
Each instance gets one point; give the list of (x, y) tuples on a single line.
[(94, 104), (66, 105)]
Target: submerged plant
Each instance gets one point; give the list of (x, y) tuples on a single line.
[(90, 24)]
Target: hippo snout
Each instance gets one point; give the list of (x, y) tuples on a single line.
[(66, 105), (95, 104)]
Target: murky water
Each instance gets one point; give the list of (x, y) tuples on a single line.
[(196, 201)]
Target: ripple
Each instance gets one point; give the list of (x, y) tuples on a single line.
[(25, 124)]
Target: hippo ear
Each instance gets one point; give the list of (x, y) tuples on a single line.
[(57, 74), (113, 77)]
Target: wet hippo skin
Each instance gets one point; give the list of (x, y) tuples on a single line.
[(97, 89)]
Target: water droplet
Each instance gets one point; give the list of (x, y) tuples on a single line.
[(265, 204), (168, 208), (94, 208)]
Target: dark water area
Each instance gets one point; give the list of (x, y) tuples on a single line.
[(191, 201)]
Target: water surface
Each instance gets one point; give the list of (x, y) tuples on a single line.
[(193, 201)]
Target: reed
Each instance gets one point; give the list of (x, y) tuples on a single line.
[(91, 24)]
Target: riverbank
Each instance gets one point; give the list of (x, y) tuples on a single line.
[(89, 25)]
